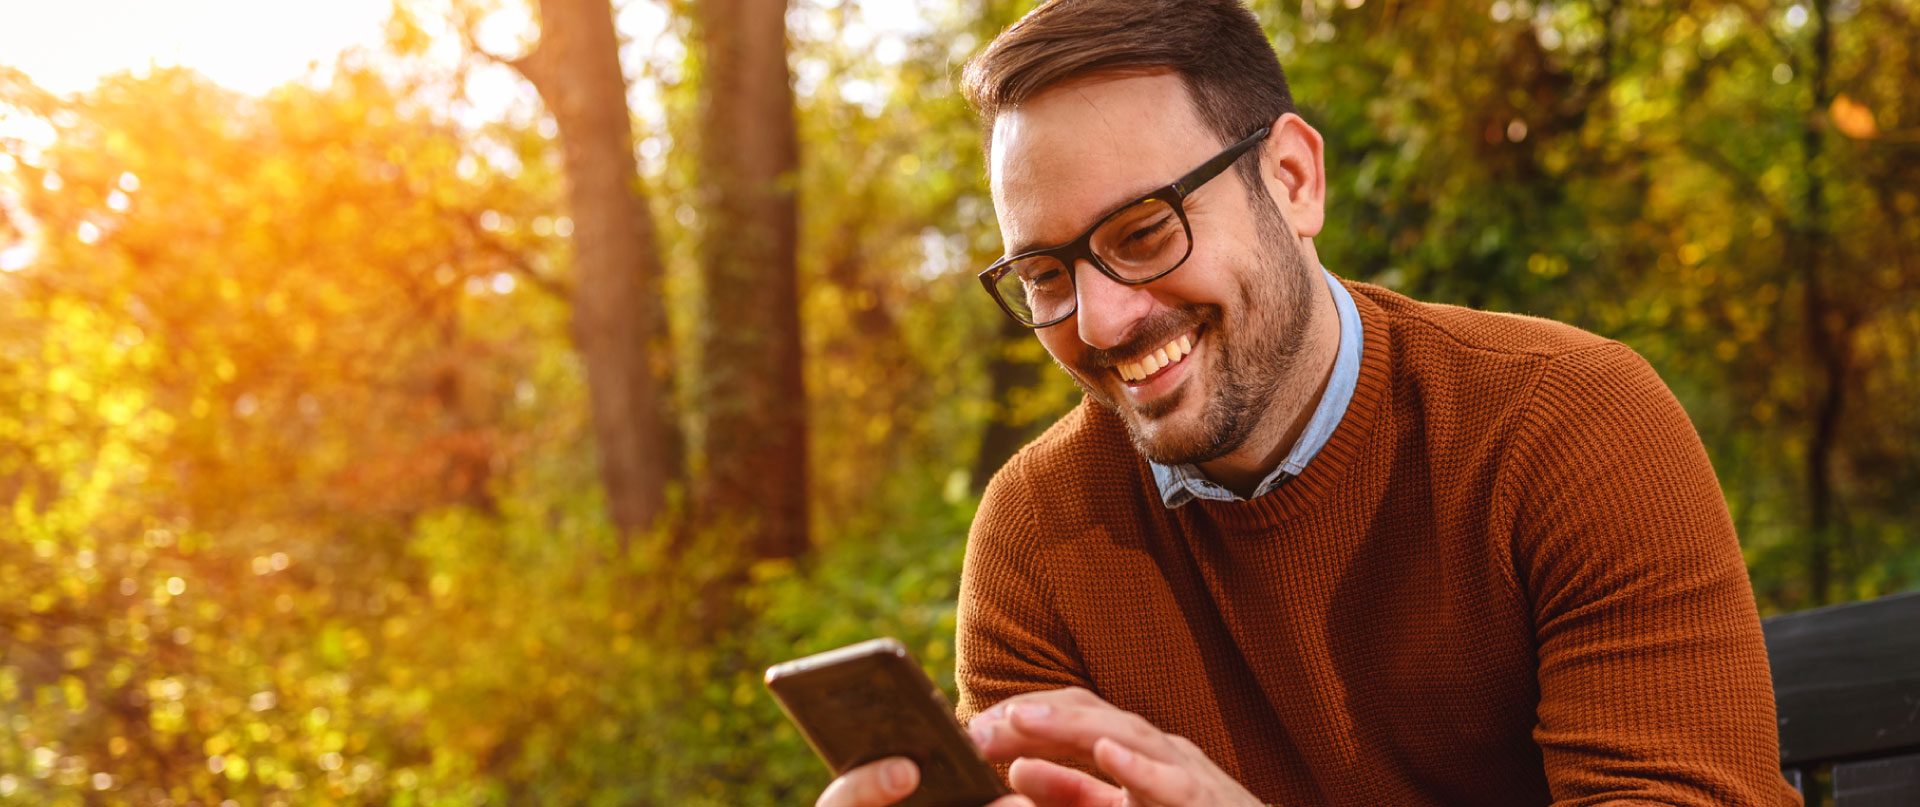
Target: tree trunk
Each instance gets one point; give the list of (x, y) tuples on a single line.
[(751, 389), (619, 321), (1826, 326), (1007, 429)]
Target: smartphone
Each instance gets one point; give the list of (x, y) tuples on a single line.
[(869, 701)]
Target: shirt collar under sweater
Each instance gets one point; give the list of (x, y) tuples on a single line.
[(1180, 484)]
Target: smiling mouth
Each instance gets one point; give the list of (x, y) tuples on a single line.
[(1157, 361)]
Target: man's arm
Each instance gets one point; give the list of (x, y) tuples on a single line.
[(1010, 639), (1653, 675)]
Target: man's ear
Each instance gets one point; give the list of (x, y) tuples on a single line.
[(1292, 164)]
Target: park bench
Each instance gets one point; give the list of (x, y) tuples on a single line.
[(1846, 681)]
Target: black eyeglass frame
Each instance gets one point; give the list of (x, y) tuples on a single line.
[(1071, 253)]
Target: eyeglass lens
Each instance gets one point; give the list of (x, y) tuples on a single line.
[(1136, 244)]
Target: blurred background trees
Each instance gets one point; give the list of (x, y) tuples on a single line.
[(620, 326), (360, 444)]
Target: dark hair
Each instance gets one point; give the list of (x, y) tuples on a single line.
[(1216, 47)]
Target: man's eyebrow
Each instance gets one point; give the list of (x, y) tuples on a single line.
[(1028, 246)]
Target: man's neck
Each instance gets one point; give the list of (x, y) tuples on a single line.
[(1291, 409)]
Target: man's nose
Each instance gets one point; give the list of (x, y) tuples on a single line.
[(1107, 308)]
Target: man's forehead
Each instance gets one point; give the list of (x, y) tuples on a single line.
[(1071, 153)]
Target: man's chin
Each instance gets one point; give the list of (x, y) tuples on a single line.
[(1172, 446), (1172, 437), (1162, 430)]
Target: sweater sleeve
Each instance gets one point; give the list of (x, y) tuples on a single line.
[(1010, 638), (1654, 687)]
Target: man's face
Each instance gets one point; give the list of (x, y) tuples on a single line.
[(1230, 321)]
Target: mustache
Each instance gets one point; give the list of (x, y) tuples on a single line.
[(1150, 333)]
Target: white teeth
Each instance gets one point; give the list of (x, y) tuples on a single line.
[(1159, 359)]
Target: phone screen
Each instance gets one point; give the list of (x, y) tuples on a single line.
[(869, 701)]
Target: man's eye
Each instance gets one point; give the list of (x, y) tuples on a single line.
[(1150, 230), (1044, 278)]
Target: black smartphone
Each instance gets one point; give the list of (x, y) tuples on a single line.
[(869, 701)]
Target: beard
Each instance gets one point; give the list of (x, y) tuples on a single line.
[(1252, 353)]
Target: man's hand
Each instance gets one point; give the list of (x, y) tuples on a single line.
[(1154, 768), (886, 782)]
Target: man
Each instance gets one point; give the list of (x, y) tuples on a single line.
[(1308, 541)]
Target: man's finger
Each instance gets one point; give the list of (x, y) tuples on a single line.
[(1053, 785), (875, 784), (1065, 696), (1068, 729), (1155, 781)]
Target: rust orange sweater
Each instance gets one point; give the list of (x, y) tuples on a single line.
[(1508, 579)]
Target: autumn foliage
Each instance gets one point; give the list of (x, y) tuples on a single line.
[(299, 494)]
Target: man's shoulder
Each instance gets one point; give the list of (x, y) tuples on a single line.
[(1081, 470), (1457, 328), (1481, 372), (1088, 440)]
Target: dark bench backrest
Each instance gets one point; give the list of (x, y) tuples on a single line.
[(1846, 681)]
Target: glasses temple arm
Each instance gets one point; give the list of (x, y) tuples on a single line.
[(1211, 168)]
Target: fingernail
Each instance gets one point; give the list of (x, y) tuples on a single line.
[(1118, 753), (897, 774), (981, 731)]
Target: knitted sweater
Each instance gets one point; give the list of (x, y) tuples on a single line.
[(1508, 579)]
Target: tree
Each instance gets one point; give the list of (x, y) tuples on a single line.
[(620, 323), (751, 391), (258, 340)]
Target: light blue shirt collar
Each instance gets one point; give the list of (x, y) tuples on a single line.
[(1180, 484)]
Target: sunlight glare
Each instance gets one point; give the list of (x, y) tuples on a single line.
[(16, 258), (33, 132), (247, 45), (506, 31), (895, 15)]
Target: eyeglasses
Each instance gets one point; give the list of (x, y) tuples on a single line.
[(1138, 243)]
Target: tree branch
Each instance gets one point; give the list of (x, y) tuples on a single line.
[(510, 258)]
